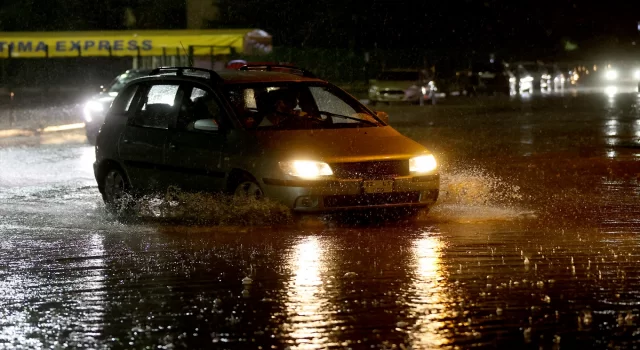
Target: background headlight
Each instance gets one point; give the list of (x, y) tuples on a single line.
[(636, 75), (422, 164), (306, 169), (611, 75), (92, 107), (527, 79)]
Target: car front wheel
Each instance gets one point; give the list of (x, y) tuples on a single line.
[(248, 189)]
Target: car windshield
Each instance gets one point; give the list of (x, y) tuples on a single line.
[(297, 106), (399, 76), (119, 82)]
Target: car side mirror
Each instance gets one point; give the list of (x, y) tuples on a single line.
[(384, 116), (206, 125)]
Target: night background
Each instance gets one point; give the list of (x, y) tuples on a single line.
[(550, 29), (455, 175)]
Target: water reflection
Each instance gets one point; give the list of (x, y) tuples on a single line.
[(68, 311), (306, 304), (429, 305)]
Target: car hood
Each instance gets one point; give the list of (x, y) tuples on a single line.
[(399, 85), (339, 145)]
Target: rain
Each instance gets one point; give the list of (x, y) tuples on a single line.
[(533, 240)]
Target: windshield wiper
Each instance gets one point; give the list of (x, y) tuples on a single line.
[(329, 114)]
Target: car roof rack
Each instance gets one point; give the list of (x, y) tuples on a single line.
[(284, 67), (187, 71)]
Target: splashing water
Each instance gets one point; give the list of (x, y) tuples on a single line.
[(212, 209), (466, 195), (473, 194)]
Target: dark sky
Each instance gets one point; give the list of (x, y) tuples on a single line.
[(490, 25)]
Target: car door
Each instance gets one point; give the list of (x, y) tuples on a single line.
[(142, 144), (195, 154)]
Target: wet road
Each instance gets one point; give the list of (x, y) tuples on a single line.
[(534, 243)]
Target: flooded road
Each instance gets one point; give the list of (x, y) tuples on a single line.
[(534, 243)]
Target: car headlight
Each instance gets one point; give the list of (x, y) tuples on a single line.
[(90, 108), (423, 164), (611, 75), (306, 169)]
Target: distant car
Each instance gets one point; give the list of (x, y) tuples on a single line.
[(401, 85), (530, 76), (280, 134), (552, 78), (96, 108), (489, 78), (619, 76)]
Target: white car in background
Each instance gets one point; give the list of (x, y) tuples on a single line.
[(620, 77), (96, 108), (401, 85)]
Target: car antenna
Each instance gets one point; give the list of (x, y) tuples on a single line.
[(187, 54)]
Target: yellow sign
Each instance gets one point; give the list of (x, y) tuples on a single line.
[(121, 43)]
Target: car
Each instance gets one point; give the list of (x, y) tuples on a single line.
[(553, 79), (618, 76), (530, 76), (488, 78), (225, 132), (401, 85), (96, 107)]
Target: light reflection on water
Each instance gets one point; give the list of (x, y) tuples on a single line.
[(61, 301), (307, 303), (428, 305)]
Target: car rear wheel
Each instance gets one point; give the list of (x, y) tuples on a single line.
[(115, 192)]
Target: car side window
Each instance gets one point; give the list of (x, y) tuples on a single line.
[(123, 102), (200, 111), (158, 107)]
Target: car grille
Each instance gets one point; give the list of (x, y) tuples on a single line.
[(369, 199), (371, 170)]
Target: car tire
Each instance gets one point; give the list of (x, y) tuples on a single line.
[(247, 188), (116, 192)]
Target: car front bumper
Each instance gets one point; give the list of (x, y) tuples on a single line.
[(349, 194)]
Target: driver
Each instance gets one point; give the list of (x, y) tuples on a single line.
[(281, 106)]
